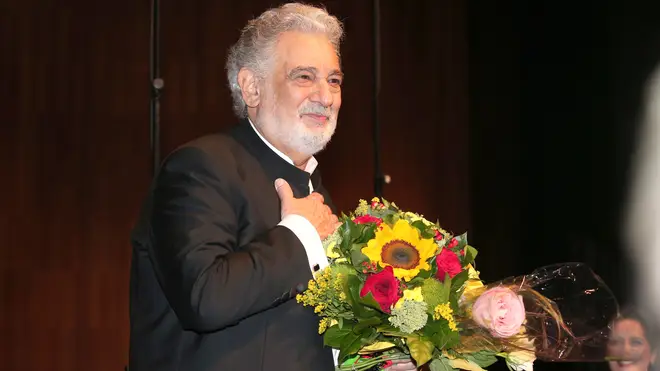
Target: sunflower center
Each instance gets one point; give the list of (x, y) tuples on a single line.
[(400, 254)]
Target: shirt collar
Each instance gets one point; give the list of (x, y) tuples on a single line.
[(312, 163)]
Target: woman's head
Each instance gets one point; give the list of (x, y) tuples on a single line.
[(632, 343)]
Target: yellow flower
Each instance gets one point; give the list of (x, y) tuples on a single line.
[(323, 325), (415, 217), (402, 248), (331, 252), (445, 311), (414, 294), (410, 295), (362, 208)]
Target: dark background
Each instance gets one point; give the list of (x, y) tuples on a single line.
[(512, 120)]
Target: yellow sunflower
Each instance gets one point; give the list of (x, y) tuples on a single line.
[(402, 248)]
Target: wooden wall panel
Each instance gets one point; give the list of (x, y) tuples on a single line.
[(75, 163), (424, 109)]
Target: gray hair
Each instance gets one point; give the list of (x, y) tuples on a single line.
[(254, 49)]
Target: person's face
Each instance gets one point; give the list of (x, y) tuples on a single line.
[(627, 341), (298, 109)]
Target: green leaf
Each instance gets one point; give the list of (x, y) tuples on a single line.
[(458, 281), (439, 333), (421, 349), (357, 230), (334, 335), (365, 323), (424, 230), (447, 286), (350, 345), (360, 310), (441, 364), (470, 254), (424, 274), (368, 232), (346, 241), (357, 257), (445, 338), (369, 301), (348, 339), (483, 358), (391, 219), (389, 330)]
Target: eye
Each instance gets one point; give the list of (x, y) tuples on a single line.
[(305, 77), (637, 342), (335, 81)]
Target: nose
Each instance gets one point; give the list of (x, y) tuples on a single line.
[(323, 94)]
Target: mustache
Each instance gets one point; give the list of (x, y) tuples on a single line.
[(316, 109)]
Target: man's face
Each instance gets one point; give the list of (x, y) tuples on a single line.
[(301, 96)]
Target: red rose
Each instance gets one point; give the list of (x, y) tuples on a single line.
[(447, 263), (367, 219), (384, 287), (438, 235), (453, 243)]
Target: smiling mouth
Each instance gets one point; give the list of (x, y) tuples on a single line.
[(319, 118)]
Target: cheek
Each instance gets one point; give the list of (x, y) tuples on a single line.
[(336, 103)]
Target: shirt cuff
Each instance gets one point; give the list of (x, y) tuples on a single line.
[(309, 238)]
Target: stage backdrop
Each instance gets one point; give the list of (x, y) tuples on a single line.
[(74, 145)]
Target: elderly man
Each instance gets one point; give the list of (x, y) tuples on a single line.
[(232, 228)]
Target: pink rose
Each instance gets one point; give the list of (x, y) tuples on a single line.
[(500, 310)]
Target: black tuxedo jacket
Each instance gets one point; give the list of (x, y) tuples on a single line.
[(213, 278)]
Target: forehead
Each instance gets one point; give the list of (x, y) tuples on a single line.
[(295, 49), (628, 327)]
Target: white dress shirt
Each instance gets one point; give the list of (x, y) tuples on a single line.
[(301, 227)]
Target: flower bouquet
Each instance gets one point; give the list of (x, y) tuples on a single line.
[(399, 286)]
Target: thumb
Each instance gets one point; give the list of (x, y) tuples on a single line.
[(283, 190)]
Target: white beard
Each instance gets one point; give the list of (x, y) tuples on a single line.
[(305, 141), (298, 137)]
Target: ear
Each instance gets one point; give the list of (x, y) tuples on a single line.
[(249, 84)]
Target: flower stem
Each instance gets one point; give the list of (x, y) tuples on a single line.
[(371, 362)]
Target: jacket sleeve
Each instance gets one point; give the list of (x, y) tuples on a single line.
[(210, 281)]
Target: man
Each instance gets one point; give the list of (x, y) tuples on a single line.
[(232, 229)]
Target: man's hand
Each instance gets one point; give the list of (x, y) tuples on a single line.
[(311, 208), (401, 365)]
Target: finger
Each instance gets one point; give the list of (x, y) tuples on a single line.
[(317, 196), (283, 190)]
